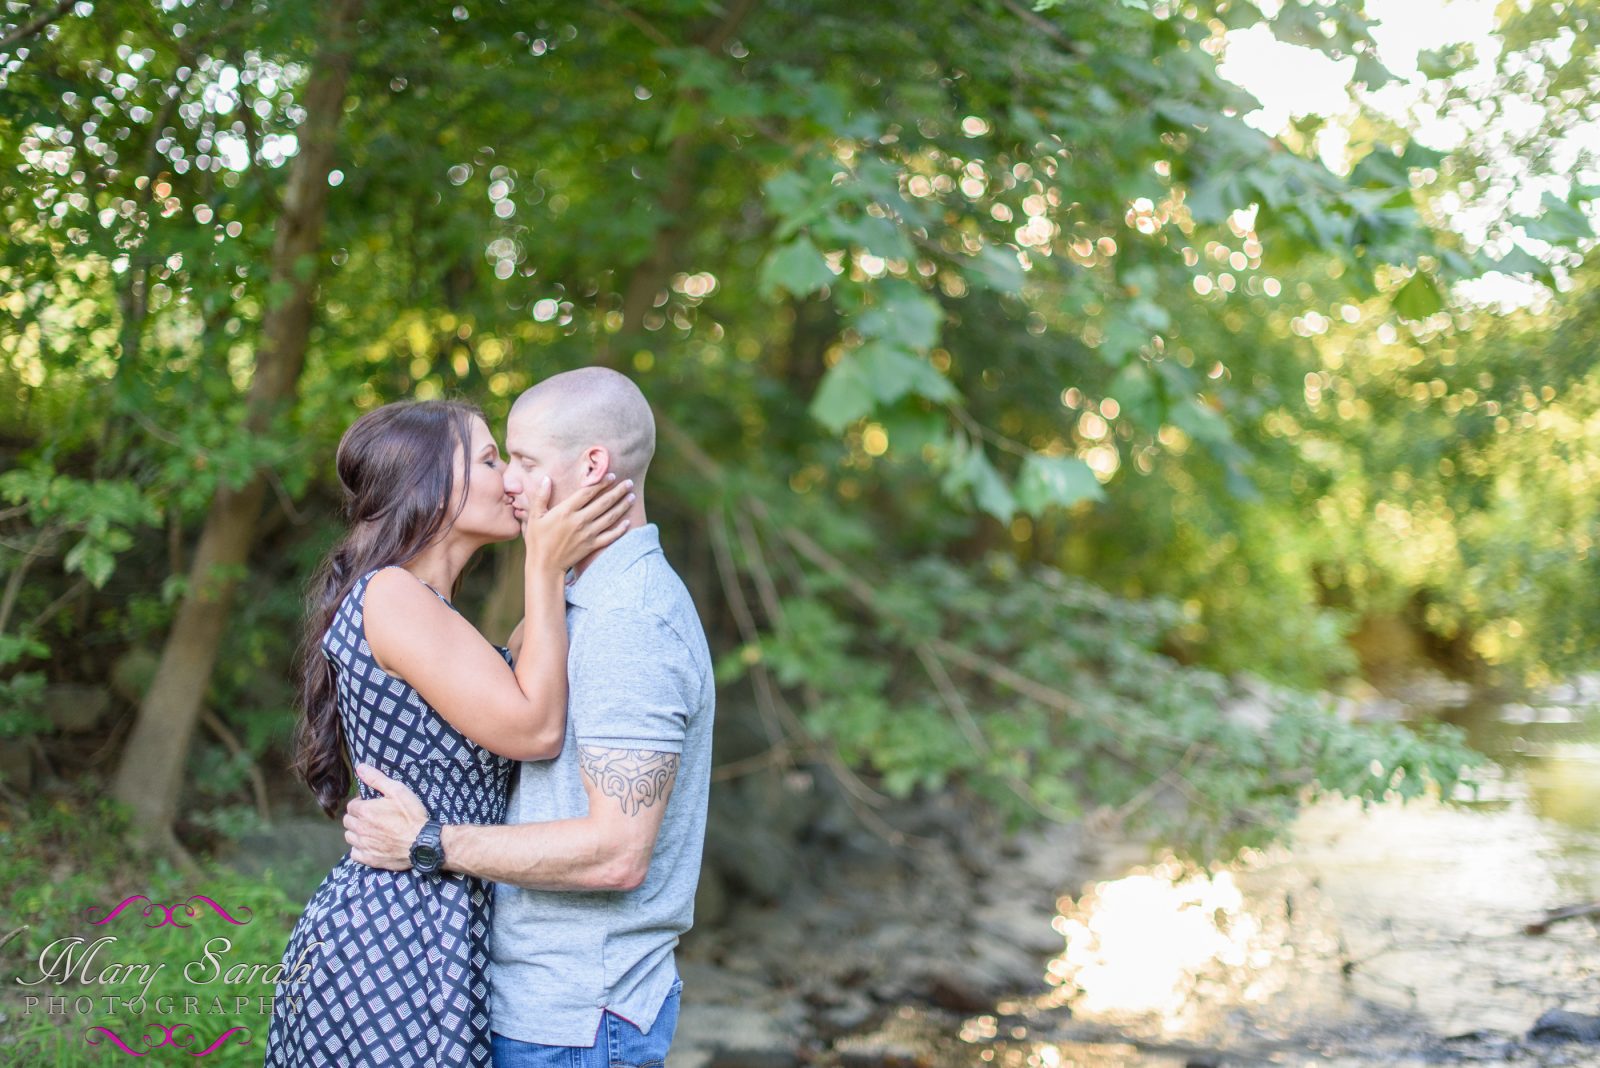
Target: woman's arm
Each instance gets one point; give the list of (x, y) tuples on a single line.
[(514, 643), (517, 712), (542, 673)]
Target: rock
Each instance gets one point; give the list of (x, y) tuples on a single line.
[(878, 1051), (1049, 857), (298, 853), (710, 898), (1559, 1025), (74, 708), (962, 989), (1015, 924), (16, 765), (893, 938), (132, 673), (751, 832), (751, 1058), (1253, 706), (750, 1029), (851, 1011), (1010, 968), (705, 984)]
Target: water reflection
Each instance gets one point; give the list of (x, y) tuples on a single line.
[(1412, 915), (1385, 936), (1150, 942)]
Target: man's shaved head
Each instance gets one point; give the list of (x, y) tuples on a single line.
[(586, 407)]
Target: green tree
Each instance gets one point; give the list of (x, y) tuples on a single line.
[(880, 272)]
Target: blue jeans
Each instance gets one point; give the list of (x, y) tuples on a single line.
[(619, 1044)]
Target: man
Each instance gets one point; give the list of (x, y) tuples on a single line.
[(597, 865)]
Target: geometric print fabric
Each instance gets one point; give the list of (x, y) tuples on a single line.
[(401, 975)]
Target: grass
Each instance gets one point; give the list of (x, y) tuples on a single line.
[(69, 855)]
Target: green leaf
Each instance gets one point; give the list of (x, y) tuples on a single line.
[(876, 374), (844, 395), (1520, 261), (1139, 394), (90, 559), (1560, 223), (1418, 298), (1123, 336), (685, 117), (1061, 481), (1240, 14), (881, 237), (1201, 422), (1371, 71), (997, 269), (1213, 197), (989, 490), (892, 373), (904, 315), (796, 267), (787, 193), (1444, 62)]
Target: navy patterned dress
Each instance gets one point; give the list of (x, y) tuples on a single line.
[(401, 975)]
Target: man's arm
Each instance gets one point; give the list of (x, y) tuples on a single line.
[(609, 849)]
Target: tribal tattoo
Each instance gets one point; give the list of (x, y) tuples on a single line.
[(638, 778)]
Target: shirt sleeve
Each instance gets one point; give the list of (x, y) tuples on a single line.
[(632, 684)]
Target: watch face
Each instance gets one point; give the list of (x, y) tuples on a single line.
[(425, 856)]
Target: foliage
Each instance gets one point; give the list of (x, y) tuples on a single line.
[(65, 858), (1135, 726), (931, 285)]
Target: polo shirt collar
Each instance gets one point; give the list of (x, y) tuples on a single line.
[(613, 560)]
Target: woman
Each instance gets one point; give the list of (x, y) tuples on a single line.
[(390, 968)]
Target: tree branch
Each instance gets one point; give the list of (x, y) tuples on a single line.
[(1038, 22), (39, 22), (717, 38), (644, 25), (230, 741)]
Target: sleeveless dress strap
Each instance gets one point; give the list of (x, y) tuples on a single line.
[(368, 578)]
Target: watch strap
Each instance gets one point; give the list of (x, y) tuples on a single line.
[(428, 846)]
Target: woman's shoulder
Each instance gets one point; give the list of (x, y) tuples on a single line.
[(352, 606), (355, 597), (396, 585)]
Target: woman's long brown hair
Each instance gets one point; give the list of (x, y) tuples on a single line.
[(397, 466)]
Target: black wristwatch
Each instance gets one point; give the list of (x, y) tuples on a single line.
[(427, 852)]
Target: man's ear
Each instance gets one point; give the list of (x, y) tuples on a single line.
[(594, 464)]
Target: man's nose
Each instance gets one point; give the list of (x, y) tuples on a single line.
[(513, 481)]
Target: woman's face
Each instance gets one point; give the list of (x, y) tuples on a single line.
[(486, 516)]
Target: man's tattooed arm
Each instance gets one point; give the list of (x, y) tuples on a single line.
[(609, 848), (637, 778)]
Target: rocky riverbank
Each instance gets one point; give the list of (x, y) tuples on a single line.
[(797, 952), (811, 929)]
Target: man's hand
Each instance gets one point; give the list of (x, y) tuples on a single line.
[(381, 831)]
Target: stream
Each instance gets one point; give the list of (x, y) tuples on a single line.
[(1390, 936)]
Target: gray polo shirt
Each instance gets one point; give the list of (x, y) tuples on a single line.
[(638, 677)]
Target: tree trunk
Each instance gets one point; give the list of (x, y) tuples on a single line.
[(151, 773), (503, 608), (654, 272)]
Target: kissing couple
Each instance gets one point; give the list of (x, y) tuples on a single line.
[(526, 843)]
